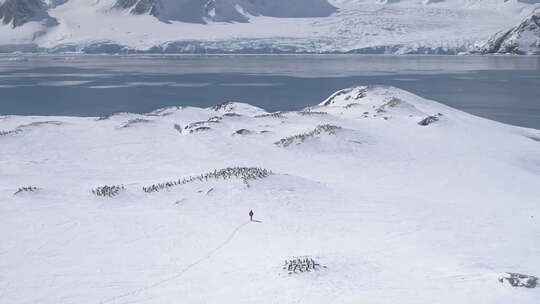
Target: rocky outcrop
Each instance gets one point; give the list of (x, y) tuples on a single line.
[(139, 7), (242, 132), (524, 39), (519, 280), (429, 120)]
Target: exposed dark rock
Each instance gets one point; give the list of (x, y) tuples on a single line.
[(390, 103), (215, 119), (429, 120), (139, 7), (242, 132), (231, 115), (519, 280), (202, 125), (200, 129)]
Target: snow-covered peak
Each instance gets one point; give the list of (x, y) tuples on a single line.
[(521, 39)]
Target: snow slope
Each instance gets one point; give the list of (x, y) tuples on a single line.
[(262, 26), (398, 212)]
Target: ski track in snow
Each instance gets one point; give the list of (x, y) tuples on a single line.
[(178, 274)]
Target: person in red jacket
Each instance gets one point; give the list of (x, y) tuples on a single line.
[(251, 215)]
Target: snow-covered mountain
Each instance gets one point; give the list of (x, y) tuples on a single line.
[(396, 198), (225, 10), (521, 39), (18, 12), (254, 26)]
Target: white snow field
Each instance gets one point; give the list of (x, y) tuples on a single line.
[(396, 211), (286, 26)]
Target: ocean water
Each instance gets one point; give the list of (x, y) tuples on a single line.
[(502, 88)]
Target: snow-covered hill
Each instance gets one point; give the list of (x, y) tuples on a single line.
[(521, 39), (398, 199), (257, 26)]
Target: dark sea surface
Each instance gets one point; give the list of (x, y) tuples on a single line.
[(502, 88)]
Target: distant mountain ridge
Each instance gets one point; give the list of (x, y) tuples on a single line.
[(256, 26)]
